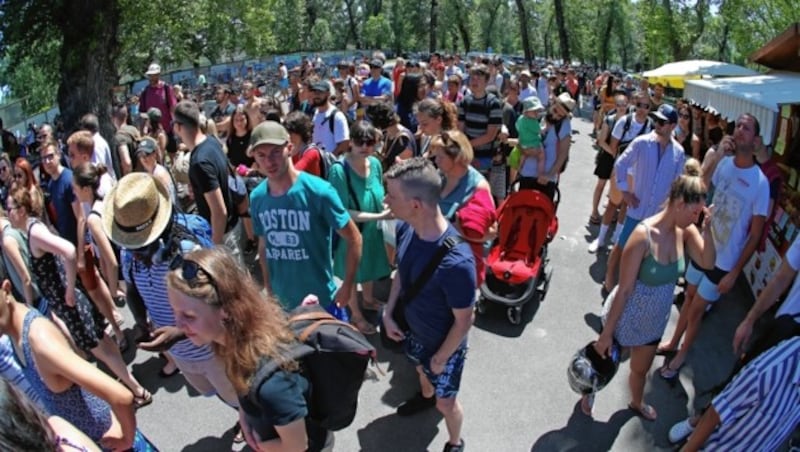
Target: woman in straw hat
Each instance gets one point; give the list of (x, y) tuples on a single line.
[(65, 295)]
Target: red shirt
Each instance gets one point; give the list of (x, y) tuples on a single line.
[(162, 97), (396, 79), (309, 161)]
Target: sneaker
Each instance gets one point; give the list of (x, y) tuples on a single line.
[(595, 245), (454, 448), (680, 431), (415, 405)]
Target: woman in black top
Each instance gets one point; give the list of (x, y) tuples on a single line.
[(239, 139)]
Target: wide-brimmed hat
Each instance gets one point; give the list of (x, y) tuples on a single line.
[(153, 69), (567, 101), (532, 104), (136, 211)]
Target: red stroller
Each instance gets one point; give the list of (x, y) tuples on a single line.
[(517, 268)]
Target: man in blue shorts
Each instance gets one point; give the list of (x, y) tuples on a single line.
[(440, 315)]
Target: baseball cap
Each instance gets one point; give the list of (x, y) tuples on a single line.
[(375, 63), (146, 146), (268, 132), (666, 113), (321, 86)]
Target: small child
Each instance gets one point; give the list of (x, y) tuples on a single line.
[(530, 138)]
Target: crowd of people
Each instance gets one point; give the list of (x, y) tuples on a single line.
[(365, 174)]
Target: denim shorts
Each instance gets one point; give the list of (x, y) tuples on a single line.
[(447, 383)]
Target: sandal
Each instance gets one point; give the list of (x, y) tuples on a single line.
[(363, 326), (140, 401), (645, 411), (669, 373), (238, 436), (594, 219)]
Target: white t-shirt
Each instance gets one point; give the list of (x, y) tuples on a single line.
[(284, 73), (322, 129), (739, 195), (102, 154), (634, 130), (792, 303)]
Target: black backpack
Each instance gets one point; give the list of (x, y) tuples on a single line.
[(333, 356)]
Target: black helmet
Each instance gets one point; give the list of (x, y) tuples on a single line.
[(589, 372)]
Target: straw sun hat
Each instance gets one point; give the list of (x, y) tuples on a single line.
[(136, 211)]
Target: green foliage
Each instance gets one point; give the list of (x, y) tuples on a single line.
[(378, 32), (321, 37), (32, 76)]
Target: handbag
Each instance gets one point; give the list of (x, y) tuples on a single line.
[(407, 296)]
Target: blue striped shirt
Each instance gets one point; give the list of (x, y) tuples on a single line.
[(11, 371), (760, 408), (652, 170), (151, 282)]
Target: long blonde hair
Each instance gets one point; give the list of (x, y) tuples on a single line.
[(255, 327)]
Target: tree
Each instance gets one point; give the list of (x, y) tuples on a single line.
[(321, 37), (563, 37), (378, 32), (522, 15), (434, 25)]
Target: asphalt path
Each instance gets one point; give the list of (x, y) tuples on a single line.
[(514, 389)]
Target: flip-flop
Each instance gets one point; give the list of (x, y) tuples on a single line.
[(594, 220), (668, 373), (140, 401), (365, 327), (646, 412)]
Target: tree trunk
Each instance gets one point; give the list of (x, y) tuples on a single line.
[(722, 51), (463, 26), (353, 27), (88, 61), (563, 37), (523, 30), (606, 37), (434, 25)]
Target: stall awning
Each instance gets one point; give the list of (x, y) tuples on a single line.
[(675, 74), (760, 95)]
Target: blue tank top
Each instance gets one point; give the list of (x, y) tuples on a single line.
[(87, 412)]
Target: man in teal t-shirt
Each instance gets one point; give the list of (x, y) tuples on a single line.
[(293, 214)]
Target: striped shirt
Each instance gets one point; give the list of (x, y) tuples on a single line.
[(11, 371), (151, 282), (760, 408), (477, 115), (653, 172)]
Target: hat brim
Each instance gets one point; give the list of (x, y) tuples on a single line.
[(272, 141), (659, 116), (134, 240), (149, 73)]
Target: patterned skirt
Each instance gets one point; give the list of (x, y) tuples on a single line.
[(645, 316)]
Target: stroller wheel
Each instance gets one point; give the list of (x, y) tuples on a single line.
[(480, 306), (514, 315)]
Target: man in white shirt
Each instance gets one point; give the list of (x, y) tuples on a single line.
[(102, 151), (331, 131)]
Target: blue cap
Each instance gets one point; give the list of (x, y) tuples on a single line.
[(666, 113)]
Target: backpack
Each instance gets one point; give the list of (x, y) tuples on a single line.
[(330, 121), (326, 162), (625, 128), (333, 356)]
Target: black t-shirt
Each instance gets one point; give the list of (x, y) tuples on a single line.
[(237, 150), (282, 400), (208, 170)]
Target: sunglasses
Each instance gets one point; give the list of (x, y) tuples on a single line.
[(367, 143), (191, 272), (621, 104), (659, 122), (685, 115), (642, 105)]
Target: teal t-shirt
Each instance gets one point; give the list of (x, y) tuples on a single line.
[(297, 229), (369, 191)]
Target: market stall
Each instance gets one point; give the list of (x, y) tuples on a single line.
[(775, 101)]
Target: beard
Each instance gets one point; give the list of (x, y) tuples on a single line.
[(318, 102), (551, 118)]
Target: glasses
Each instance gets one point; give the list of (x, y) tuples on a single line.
[(191, 271), (642, 105), (659, 122), (48, 157), (685, 115), (367, 143), (621, 104)]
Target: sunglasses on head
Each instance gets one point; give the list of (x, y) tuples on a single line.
[(191, 272)]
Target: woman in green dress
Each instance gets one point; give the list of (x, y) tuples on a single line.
[(358, 181)]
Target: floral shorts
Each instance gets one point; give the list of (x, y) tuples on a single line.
[(447, 383)]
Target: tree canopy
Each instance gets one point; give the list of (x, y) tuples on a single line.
[(72, 51)]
